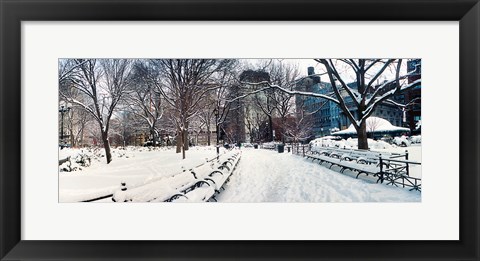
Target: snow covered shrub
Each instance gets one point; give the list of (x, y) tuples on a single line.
[(401, 141), (350, 143), (378, 144), (83, 159), (74, 159), (69, 166), (416, 139)]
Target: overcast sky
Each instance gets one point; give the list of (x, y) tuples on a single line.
[(347, 72)]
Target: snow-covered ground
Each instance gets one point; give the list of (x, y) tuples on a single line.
[(137, 166), (261, 176), (268, 176)]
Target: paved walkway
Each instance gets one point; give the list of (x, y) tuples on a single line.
[(268, 176)]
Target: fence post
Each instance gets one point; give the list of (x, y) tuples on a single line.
[(303, 147), (381, 168), (408, 167)]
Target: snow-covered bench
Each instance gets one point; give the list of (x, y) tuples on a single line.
[(360, 156), (206, 189), (172, 187), (392, 170), (367, 169), (268, 146)]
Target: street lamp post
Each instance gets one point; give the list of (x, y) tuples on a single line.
[(62, 111)]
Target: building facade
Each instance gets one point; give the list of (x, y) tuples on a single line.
[(328, 117)]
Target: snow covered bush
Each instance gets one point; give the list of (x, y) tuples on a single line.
[(349, 143), (401, 141), (75, 162), (378, 144), (416, 139), (83, 159)]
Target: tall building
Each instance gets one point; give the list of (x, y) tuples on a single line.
[(233, 128)]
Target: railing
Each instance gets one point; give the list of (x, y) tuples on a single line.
[(300, 149), (397, 172), (391, 168)]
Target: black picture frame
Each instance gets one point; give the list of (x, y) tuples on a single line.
[(12, 13)]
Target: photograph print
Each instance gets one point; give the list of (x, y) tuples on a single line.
[(239, 130)]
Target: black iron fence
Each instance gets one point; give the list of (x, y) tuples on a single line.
[(390, 168)]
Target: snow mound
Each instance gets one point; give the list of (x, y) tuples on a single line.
[(374, 124)]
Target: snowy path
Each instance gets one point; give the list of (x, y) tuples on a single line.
[(268, 176)]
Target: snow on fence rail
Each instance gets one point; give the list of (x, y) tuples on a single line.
[(197, 184)]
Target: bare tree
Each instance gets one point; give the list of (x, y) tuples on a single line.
[(361, 97), (272, 103), (77, 121), (206, 116), (184, 83), (301, 127), (366, 95), (214, 108), (283, 74), (125, 124), (372, 125), (104, 83), (145, 99)]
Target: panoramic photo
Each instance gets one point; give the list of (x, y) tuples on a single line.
[(239, 130)]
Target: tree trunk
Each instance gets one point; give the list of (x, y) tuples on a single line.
[(185, 143), (80, 136), (270, 131), (362, 136), (154, 137), (185, 140), (106, 145), (185, 137), (179, 141), (72, 140), (209, 133)]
